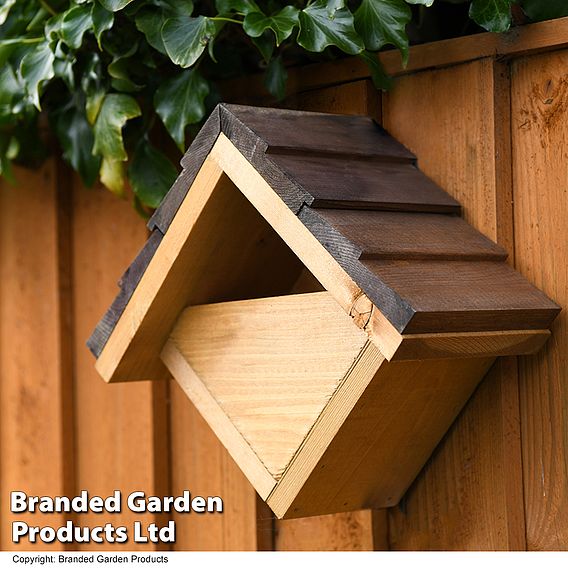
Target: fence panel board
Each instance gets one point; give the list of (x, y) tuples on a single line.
[(36, 435), (201, 464), (540, 136), (469, 495), (121, 443)]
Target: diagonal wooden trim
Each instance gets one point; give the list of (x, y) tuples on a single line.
[(325, 428), (219, 422), (116, 361)]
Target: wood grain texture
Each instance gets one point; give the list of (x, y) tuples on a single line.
[(416, 296), (305, 80), (127, 284), (540, 134), (216, 417), (340, 532), (354, 98), (377, 451), (364, 184), (410, 236), (271, 364), (299, 132), (464, 296), (287, 498), (121, 431), (36, 436), (201, 464), (191, 163), (469, 496), (214, 232), (361, 530), (474, 344)]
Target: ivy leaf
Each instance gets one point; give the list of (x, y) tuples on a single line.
[(537, 10), (275, 78), (5, 10), (382, 22), (102, 19), (76, 138), (119, 69), (265, 45), (282, 23), (179, 7), (36, 68), (75, 23), (52, 28), (378, 75), (63, 68), (93, 105), (185, 39), (151, 19), (7, 47), (10, 91), (112, 176), (181, 101), (243, 7), (115, 111), (115, 5), (325, 23), (151, 174), (493, 15), (150, 23)]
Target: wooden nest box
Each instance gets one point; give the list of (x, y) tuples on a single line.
[(321, 302)]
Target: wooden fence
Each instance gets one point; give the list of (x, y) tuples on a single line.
[(488, 118)]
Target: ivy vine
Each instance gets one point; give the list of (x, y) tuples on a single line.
[(106, 75)]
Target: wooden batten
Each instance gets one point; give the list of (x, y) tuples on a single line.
[(320, 302)]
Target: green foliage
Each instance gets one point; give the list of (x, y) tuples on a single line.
[(150, 173), (383, 22), (282, 23), (538, 10), (111, 74), (180, 101), (328, 22), (493, 15)]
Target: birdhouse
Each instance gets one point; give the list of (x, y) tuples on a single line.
[(322, 304)]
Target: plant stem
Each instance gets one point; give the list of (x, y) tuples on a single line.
[(222, 19), (21, 40), (47, 7)]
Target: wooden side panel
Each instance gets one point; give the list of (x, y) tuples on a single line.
[(360, 530), (36, 434), (469, 495), (121, 430), (540, 135)]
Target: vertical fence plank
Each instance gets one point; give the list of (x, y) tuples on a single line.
[(360, 530), (540, 136), (36, 435), (121, 429), (202, 465), (469, 495)]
